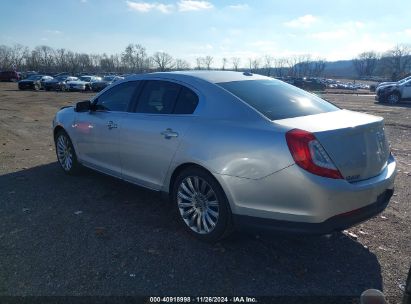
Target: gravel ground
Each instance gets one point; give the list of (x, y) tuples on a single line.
[(94, 235)]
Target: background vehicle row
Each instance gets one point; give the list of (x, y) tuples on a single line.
[(66, 82)]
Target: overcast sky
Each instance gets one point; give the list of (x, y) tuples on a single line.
[(334, 29)]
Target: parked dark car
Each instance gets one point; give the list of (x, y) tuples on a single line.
[(10, 76), (33, 82), (97, 86), (58, 83), (309, 84)]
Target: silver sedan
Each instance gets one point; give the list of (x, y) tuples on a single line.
[(233, 150)]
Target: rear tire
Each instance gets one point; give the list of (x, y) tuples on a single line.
[(201, 205), (66, 155)]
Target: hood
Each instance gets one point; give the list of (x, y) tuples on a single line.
[(65, 107), (383, 87), (386, 83)]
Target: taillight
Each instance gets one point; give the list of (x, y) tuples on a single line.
[(310, 155)]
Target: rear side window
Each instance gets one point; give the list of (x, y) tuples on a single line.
[(186, 102), (117, 98), (276, 99), (158, 97)]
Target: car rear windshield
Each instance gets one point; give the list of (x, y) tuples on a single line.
[(276, 99)]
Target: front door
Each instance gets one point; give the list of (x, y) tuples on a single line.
[(98, 132)]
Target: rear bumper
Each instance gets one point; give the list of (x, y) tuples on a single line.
[(293, 199), (335, 223)]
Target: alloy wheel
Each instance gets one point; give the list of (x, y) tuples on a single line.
[(64, 152), (198, 204), (393, 98)]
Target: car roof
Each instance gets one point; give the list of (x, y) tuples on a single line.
[(209, 76)]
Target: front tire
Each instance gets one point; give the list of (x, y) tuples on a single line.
[(201, 205), (393, 98), (66, 155)]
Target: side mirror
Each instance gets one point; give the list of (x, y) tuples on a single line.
[(83, 106)]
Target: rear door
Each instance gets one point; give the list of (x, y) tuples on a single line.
[(98, 131), (152, 133)]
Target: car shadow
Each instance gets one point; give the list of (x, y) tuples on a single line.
[(402, 104), (95, 235)]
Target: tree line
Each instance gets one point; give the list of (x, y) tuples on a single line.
[(394, 63), (135, 59)]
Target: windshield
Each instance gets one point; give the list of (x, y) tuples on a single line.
[(34, 77), (276, 99), (109, 78), (404, 80), (85, 78)]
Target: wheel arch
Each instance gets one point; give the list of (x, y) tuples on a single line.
[(57, 129), (180, 168), (396, 91)]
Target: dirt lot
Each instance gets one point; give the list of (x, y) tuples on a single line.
[(94, 235)]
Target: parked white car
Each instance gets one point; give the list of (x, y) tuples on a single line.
[(394, 93), (82, 84), (383, 84)]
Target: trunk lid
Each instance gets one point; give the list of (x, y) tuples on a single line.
[(356, 142)]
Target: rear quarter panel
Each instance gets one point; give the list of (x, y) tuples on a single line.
[(242, 149)]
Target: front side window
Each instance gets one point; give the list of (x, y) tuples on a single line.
[(158, 97), (117, 98)]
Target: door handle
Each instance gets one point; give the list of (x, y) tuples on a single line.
[(111, 125), (168, 133)]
